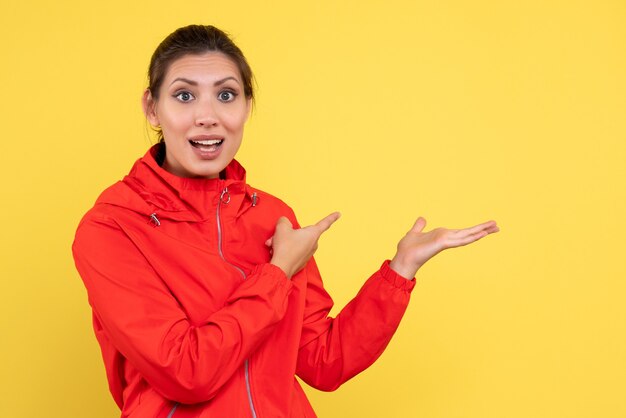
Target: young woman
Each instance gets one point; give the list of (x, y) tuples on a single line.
[(206, 299)]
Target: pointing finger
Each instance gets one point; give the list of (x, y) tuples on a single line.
[(325, 223)]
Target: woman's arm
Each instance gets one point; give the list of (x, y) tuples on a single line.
[(146, 324), (334, 350)]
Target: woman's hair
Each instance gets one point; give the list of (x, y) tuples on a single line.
[(194, 40)]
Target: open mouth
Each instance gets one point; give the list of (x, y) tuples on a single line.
[(207, 145)]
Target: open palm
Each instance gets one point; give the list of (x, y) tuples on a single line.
[(417, 247)]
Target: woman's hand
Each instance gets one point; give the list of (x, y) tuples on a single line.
[(418, 247), (292, 248)]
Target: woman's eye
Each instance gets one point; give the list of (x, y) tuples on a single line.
[(184, 96), (227, 96)]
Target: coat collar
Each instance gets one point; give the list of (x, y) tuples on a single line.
[(150, 189)]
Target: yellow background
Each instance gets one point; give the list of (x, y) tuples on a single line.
[(460, 111)]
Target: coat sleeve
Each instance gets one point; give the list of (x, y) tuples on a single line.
[(146, 324), (333, 350)]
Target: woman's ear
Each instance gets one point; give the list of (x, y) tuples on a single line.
[(149, 108), (248, 108)]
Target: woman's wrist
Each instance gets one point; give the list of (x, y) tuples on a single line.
[(281, 266), (404, 269)]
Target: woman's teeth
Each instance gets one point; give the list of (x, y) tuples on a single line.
[(207, 145)]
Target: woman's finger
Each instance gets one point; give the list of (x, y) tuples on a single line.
[(464, 239), (475, 229), (419, 225), (468, 239), (325, 223)]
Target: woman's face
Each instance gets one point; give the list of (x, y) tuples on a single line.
[(201, 110)]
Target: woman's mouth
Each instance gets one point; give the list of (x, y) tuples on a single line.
[(207, 145)]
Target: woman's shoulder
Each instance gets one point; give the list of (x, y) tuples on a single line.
[(115, 201)]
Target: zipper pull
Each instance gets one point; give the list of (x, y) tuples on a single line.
[(155, 220), (255, 199), (225, 196)]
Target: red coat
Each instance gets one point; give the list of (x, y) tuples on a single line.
[(192, 319)]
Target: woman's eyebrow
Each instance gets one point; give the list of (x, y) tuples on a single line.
[(223, 80), (185, 80), (195, 83)]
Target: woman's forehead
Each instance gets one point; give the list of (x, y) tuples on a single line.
[(203, 67)]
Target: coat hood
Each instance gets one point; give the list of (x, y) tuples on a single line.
[(152, 191)]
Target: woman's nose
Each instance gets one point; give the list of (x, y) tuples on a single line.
[(206, 115)]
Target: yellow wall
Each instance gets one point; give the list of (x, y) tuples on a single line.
[(460, 111)]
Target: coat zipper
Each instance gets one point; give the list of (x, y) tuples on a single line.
[(225, 199), (171, 414)]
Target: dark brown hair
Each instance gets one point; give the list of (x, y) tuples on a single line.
[(196, 40)]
